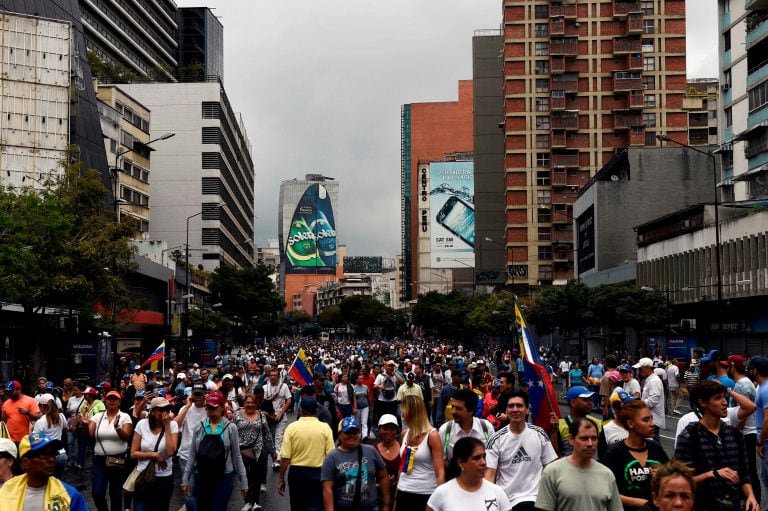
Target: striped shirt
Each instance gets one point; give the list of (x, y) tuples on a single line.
[(691, 378)]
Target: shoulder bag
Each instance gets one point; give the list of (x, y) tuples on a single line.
[(145, 480), (111, 460)]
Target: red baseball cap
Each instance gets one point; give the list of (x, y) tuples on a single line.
[(214, 399), (738, 362)]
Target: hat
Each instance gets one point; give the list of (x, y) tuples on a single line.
[(738, 362), (643, 362), (481, 362), (199, 388), (49, 385), (712, 355), (411, 376), (113, 393), (37, 441), (214, 399), (625, 368), (195, 365), (347, 424), (90, 390), (496, 383), (694, 362), (620, 395), (387, 418), (614, 376), (44, 399), (181, 376), (7, 445), (140, 394), (309, 404), (228, 377), (759, 363), (104, 385), (12, 385), (578, 391), (158, 402), (390, 363)]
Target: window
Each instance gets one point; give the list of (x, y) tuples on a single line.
[(727, 40), (545, 234), (542, 159), (542, 104), (545, 253), (727, 78), (542, 141), (728, 116), (545, 272), (541, 49), (647, 6), (758, 96), (650, 138), (727, 6), (542, 30), (541, 11), (544, 216), (649, 101), (211, 160), (542, 85), (649, 26), (542, 122), (649, 63), (649, 82), (211, 109), (543, 197), (211, 135), (542, 67), (542, 178), (649, 119), (648, 45)]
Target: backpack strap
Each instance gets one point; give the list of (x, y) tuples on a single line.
[(447, 436), (485, 430)]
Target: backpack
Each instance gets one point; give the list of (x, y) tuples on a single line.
[(211, 454)]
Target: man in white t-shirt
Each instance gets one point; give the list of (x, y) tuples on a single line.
[(673, 386), (652, 394), (517, 454), (190, 415), (280, 396)]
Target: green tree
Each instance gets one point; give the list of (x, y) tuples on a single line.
[(365, 314), (564, 307), (624, 305), (206, 321), (444, 315), (492, 314), (330, 317)]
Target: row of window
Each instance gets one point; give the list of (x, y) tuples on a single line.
[(135, 171), (758, 96), (648, 7), (132, 117), (134, 196), (131, 142)]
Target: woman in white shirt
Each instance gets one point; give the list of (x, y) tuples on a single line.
[(53, 423), (111, 430), (155, 439)]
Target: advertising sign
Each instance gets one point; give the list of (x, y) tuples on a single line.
[(452, 214), (362, 264), (311, 243), (586, 248)]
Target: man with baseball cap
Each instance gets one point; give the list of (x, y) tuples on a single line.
[(37, 488), (19, 411), (385, 385), (579, 400), (652, 394), (8, 455), (190, 415), (715, 366)]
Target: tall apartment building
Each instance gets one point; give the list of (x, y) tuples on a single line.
[(201, 41), (700, 101), (581, 80), (744, 105), (139, 35), (207, 163)]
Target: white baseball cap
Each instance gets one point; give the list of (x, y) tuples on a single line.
[(643, 362), (387, 418)]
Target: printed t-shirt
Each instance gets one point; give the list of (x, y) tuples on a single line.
[(341, 467), (633, 479), (452, 497)]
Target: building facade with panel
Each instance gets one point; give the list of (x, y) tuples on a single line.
[(207, 163), (581, 80), (201, 41)]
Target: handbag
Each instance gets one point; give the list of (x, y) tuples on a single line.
[(112, 460), (145, 481), (130, 482)]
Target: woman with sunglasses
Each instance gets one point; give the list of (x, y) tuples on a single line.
[(202, 476), (111, 430), (52, 423), (156, 438)]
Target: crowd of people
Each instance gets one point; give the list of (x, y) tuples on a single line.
[(385, 426)]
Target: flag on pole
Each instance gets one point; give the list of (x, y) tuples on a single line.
[(541, 393), (300, 370), (155, 357)]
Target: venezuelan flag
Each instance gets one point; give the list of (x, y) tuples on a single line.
[(299, 370), (155, 357)]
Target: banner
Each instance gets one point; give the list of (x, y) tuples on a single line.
[(452, 214), (311, 243)]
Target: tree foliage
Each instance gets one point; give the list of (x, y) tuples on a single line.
[(444, 315), (365, 313)]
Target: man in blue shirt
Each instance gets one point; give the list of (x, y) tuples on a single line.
[(716, 367), (595, 369), (758, 366)]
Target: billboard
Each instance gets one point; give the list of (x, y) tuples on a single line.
[(452, 214), (586, 238), (362, 264), (311, 243)]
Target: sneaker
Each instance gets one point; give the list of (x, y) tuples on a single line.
[(256, 507), (263, 490), (246, 507)]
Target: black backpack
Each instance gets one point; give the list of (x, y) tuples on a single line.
[(211, 454)]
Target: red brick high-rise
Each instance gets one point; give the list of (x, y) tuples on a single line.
[(582, 80)]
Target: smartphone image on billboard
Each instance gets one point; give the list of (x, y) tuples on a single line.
[(458, 217)]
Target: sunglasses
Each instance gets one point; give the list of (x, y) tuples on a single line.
[(211, 407)]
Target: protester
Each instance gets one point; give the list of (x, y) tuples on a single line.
[(19, 410), (214, 459), (255, 442), (464, 424), (37, 488), (631, 386), (362, 403), (111, 430), (579, 401), (652, 394), (52, 424), (277, 399), (468, 487), (8, 454), (745, 387), (613, 431), (155, 439), (673, 386), (389, 450), (672, 487), (386, 384), (76, 426)]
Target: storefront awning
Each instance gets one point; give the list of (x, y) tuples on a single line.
[(751, 131), (748, 174)]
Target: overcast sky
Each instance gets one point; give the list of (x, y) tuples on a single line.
[(320, 84)]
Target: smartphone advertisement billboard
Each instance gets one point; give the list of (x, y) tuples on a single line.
[(311, 243), (452, 214)]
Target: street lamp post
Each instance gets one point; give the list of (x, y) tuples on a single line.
[(116, 169), (502, 245), (665, 138)]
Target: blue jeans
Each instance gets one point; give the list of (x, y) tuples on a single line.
[(213, 495), (101, 477), (159, 499)]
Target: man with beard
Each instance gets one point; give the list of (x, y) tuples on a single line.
[(19, 411)]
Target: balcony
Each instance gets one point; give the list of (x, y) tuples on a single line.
[(563, 236), (701, 137), (565, 161), (557, 103), (698, 120), (561, 217), (637, 136), (622, 7), (623, 45), (626, 120), (636, 100), (568, 120), (557, 65), (568, 85), (635, 62), (635, 23), (626, 84), (558, 139), (562, 256), (557, 26), (565, 10), (755, 5), (568, 47)]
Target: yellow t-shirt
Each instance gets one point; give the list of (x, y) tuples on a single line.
[(306, 442)]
